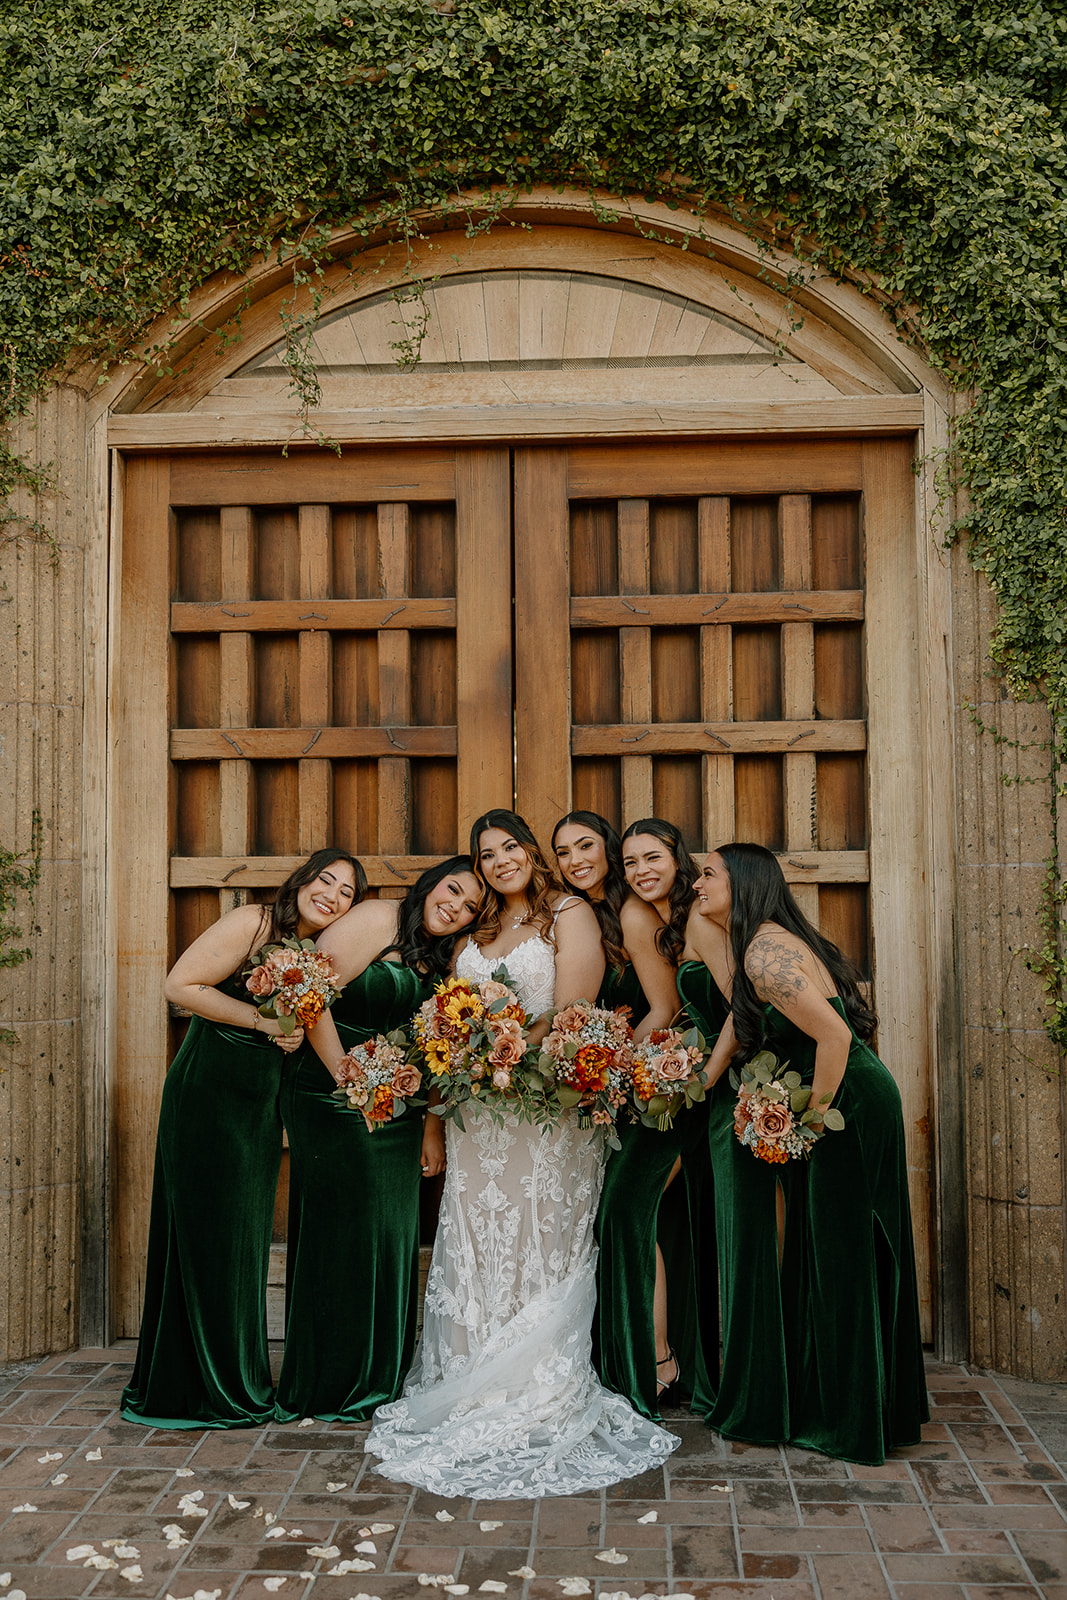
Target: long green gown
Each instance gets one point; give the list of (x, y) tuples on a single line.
[(635, 1214), (202, 1359), (352, 1274), (824, 1353)]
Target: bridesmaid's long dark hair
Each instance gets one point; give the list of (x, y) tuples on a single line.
[(283, 915), (614, 888), (543, 885), (419, 949), (758, 894), (670, 939)]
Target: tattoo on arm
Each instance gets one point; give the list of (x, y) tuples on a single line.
[(776, 970)]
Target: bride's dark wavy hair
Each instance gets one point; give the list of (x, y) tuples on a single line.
[(283, 914), (543, 885), (758, 894), (417, 948), (670, 939), (615, 888)]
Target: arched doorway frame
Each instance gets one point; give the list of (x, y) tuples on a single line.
[(136, 410)]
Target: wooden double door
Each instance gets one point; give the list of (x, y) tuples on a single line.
[(371, 649)]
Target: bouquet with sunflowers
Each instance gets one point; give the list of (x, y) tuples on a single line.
[(294, 982), (667, 1075), (773, 1115), (473, 1041), (587, 1059)]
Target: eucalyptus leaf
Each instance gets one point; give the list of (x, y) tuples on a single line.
[(834, 1120)]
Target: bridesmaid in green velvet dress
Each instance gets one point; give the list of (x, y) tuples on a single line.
[(820, 1314), (352, 1273), (654, 1235), (202, 1359)]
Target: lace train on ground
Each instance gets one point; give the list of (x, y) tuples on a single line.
[(502, 1401)]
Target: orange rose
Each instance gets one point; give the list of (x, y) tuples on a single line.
[(260, 981), (406, 1081), (772, 1121)]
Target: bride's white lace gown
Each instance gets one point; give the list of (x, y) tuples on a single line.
[(502, 1401)]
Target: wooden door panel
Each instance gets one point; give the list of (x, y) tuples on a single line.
[(327, 648)]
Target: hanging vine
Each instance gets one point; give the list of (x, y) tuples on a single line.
[(917, 150)]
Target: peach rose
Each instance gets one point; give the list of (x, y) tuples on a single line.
[(406, 1081), (280, 959), (506, 1053), (674, 1066), (772, 1121), (505, 1028), (492, 990), (501, 1078), (568, 1020), (260, 981)]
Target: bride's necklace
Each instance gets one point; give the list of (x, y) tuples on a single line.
[(517, 922)]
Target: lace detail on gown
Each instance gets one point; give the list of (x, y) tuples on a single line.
[(502, 1401)]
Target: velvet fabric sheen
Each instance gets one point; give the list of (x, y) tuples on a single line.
[(202, 1359), (352, 1271), (824, 1353), (637, 1212)]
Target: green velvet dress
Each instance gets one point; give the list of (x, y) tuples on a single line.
[(202, 1359), (824, 1353), (635, 1214), (352, 1272)]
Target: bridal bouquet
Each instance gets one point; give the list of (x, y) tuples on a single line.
[(379, 1079), (473, 1040), (588, 1056), (667, 1075), (774, 1116), (294, 981)]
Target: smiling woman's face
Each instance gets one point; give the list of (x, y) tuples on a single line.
[(582, 857), (713, 890), (326, 897), (504, 863), (649, 866), (451, 904)]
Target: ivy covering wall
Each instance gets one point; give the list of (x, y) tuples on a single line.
[(916, 148)]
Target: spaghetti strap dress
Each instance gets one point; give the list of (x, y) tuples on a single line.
[(202, 1358), (352, 1269), (825, 1353), (636, 1213), (502, 1402)]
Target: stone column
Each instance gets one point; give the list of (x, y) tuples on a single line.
[(1015, 1102), (41, 704)]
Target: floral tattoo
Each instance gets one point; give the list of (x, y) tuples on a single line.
[(776, 970)]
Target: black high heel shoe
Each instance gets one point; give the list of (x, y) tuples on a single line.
[(668, 1393)]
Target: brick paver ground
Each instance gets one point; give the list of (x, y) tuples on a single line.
[(978, 1511)]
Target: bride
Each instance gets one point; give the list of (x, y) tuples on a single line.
[(502, 1401)]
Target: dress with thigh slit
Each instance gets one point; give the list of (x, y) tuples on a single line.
[(352, 1273), (637, 1212), (825, 1353)]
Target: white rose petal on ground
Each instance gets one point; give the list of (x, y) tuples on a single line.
[(722, 1488), (94, 1455), (238, 1505), (5, 1579), (343, 1568), (132, 1574), (649, 1516), (366, 1547), (50, 1455), (487, 1527), (275, 1533), (325, 1552), (379, 1527), (174, 1536), (17, 1594), (624, 1594), (306, 1422), (335, 1488), (612, 1557), (576, 1586), (102, 1563), (296, 1533), (272, 1585), (444, 1516), (492, 1586), (456, 1588), (184, 1472), (57, 1478), (27, 1507), (77, 1552), (522, 1572), (126, 1552), (434, 1580), (270, 1519)]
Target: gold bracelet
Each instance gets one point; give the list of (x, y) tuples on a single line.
[(255, 1024)]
